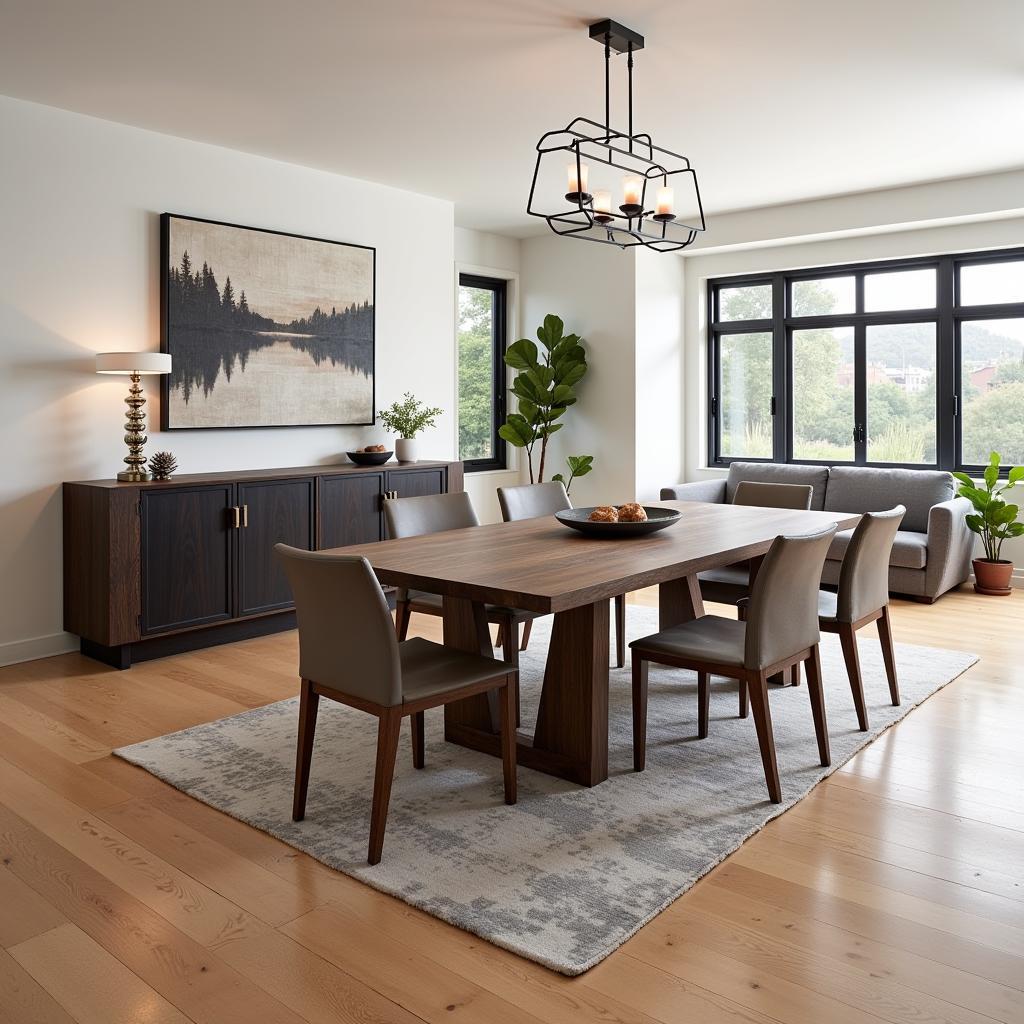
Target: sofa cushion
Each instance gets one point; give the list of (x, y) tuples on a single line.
[(866, 489), (779, 473), (909, 549)]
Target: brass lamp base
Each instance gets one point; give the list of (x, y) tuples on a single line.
[(134, 477), (135, 435)]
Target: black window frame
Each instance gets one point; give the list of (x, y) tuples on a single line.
[(947, 314), (499, 387)]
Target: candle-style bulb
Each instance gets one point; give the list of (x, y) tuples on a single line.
[(577, 175), (632, 195), (664, 208), (602, 205)]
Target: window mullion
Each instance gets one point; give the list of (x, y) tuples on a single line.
[(947, 375), (780, 371), (860, 394)]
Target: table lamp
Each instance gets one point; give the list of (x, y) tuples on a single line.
[(135, 364)]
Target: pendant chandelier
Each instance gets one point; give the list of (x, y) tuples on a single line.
[(653, 179)]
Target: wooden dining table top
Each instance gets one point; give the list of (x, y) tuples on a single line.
[(541, 566)]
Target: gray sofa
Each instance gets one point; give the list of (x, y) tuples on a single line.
[(933, 548)]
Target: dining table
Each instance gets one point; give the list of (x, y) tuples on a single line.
[(541, 566)]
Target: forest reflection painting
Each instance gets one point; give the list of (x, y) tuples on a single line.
[(264, 329)]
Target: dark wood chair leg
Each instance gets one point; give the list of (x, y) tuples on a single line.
[(848, 638), (402, 617), (527, 629), (620, 631), (744, 699), (499, 640), (508, 630), (388, 729), (508, 738), (418, 748), (703, 704), (757, 686), (639, 713), (795, 678), (309, 701), (817, 696), (889, 655)]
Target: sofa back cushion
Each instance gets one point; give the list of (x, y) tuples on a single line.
[(779, 473), (866, 489)]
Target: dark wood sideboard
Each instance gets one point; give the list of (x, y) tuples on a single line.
[(156, 568)]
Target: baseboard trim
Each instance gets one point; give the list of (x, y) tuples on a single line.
[(16, 651)]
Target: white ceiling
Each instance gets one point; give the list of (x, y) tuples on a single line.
[(773, 100)]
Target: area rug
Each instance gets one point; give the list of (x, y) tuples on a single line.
[(568, 874)]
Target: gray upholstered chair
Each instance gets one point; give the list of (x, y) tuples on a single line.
[(862, 598), (781, 630), (348, 652), (434, 513), (531, 501), (731, 583)]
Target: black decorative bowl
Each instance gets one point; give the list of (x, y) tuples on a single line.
[(657, 519), (369, 458)]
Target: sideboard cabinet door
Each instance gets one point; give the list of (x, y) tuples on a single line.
[(350, 511), (272, 512), (187, 556)]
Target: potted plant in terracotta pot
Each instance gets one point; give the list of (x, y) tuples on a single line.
[(406, 419), (994, 520)]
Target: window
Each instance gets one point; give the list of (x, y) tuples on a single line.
[(916, 363), (482, 332)]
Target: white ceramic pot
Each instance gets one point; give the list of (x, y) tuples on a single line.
[(406, 449)]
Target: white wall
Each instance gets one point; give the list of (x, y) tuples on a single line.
[(79, 206), (593, 289), (480, 252), (956, 237)]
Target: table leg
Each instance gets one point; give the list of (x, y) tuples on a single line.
[(571, 739), (572, 720), (679, 601)]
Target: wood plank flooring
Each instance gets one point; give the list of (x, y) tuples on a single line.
[(894, 892)]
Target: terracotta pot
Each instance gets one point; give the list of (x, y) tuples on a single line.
[(993, 577)]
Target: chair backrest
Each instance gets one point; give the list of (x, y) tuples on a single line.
[(864, 576), (796, 496), (346, 636), (432, 513), (783, 616), (529, 501)]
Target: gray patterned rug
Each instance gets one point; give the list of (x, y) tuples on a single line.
[(568, 874)]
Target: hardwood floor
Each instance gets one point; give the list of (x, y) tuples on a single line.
[(894, 892)]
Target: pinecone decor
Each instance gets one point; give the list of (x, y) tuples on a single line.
[(162, 465)]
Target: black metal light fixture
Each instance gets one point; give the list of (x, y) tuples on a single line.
[(651, 175)]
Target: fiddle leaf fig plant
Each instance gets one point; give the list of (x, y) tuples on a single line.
[(579, 465), (545, 387), (994, 519)]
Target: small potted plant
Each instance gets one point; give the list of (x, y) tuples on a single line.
[(406, 419), (994, 520)]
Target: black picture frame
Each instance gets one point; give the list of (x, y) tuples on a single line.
[(166, 341)]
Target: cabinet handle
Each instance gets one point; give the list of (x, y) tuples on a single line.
[(236, 518), (245, 515)]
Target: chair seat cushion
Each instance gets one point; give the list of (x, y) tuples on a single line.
[(726, 585), (434, 604), (779, 473), (909, 549), (711, 638), (429, 669)]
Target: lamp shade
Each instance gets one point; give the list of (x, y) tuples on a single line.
[(133, 362)]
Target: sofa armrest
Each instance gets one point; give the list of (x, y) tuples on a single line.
[(699, 490), (950, 546)]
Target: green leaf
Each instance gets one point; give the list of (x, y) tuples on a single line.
[(1016, 474), (975, 523), (1016, 530), (964, 479), (558, 478), (992, 474), (550, 333), (574, 374), (521, 354), (562, 395), (527, 409)]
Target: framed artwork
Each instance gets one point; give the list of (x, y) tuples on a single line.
[(265, 329)]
